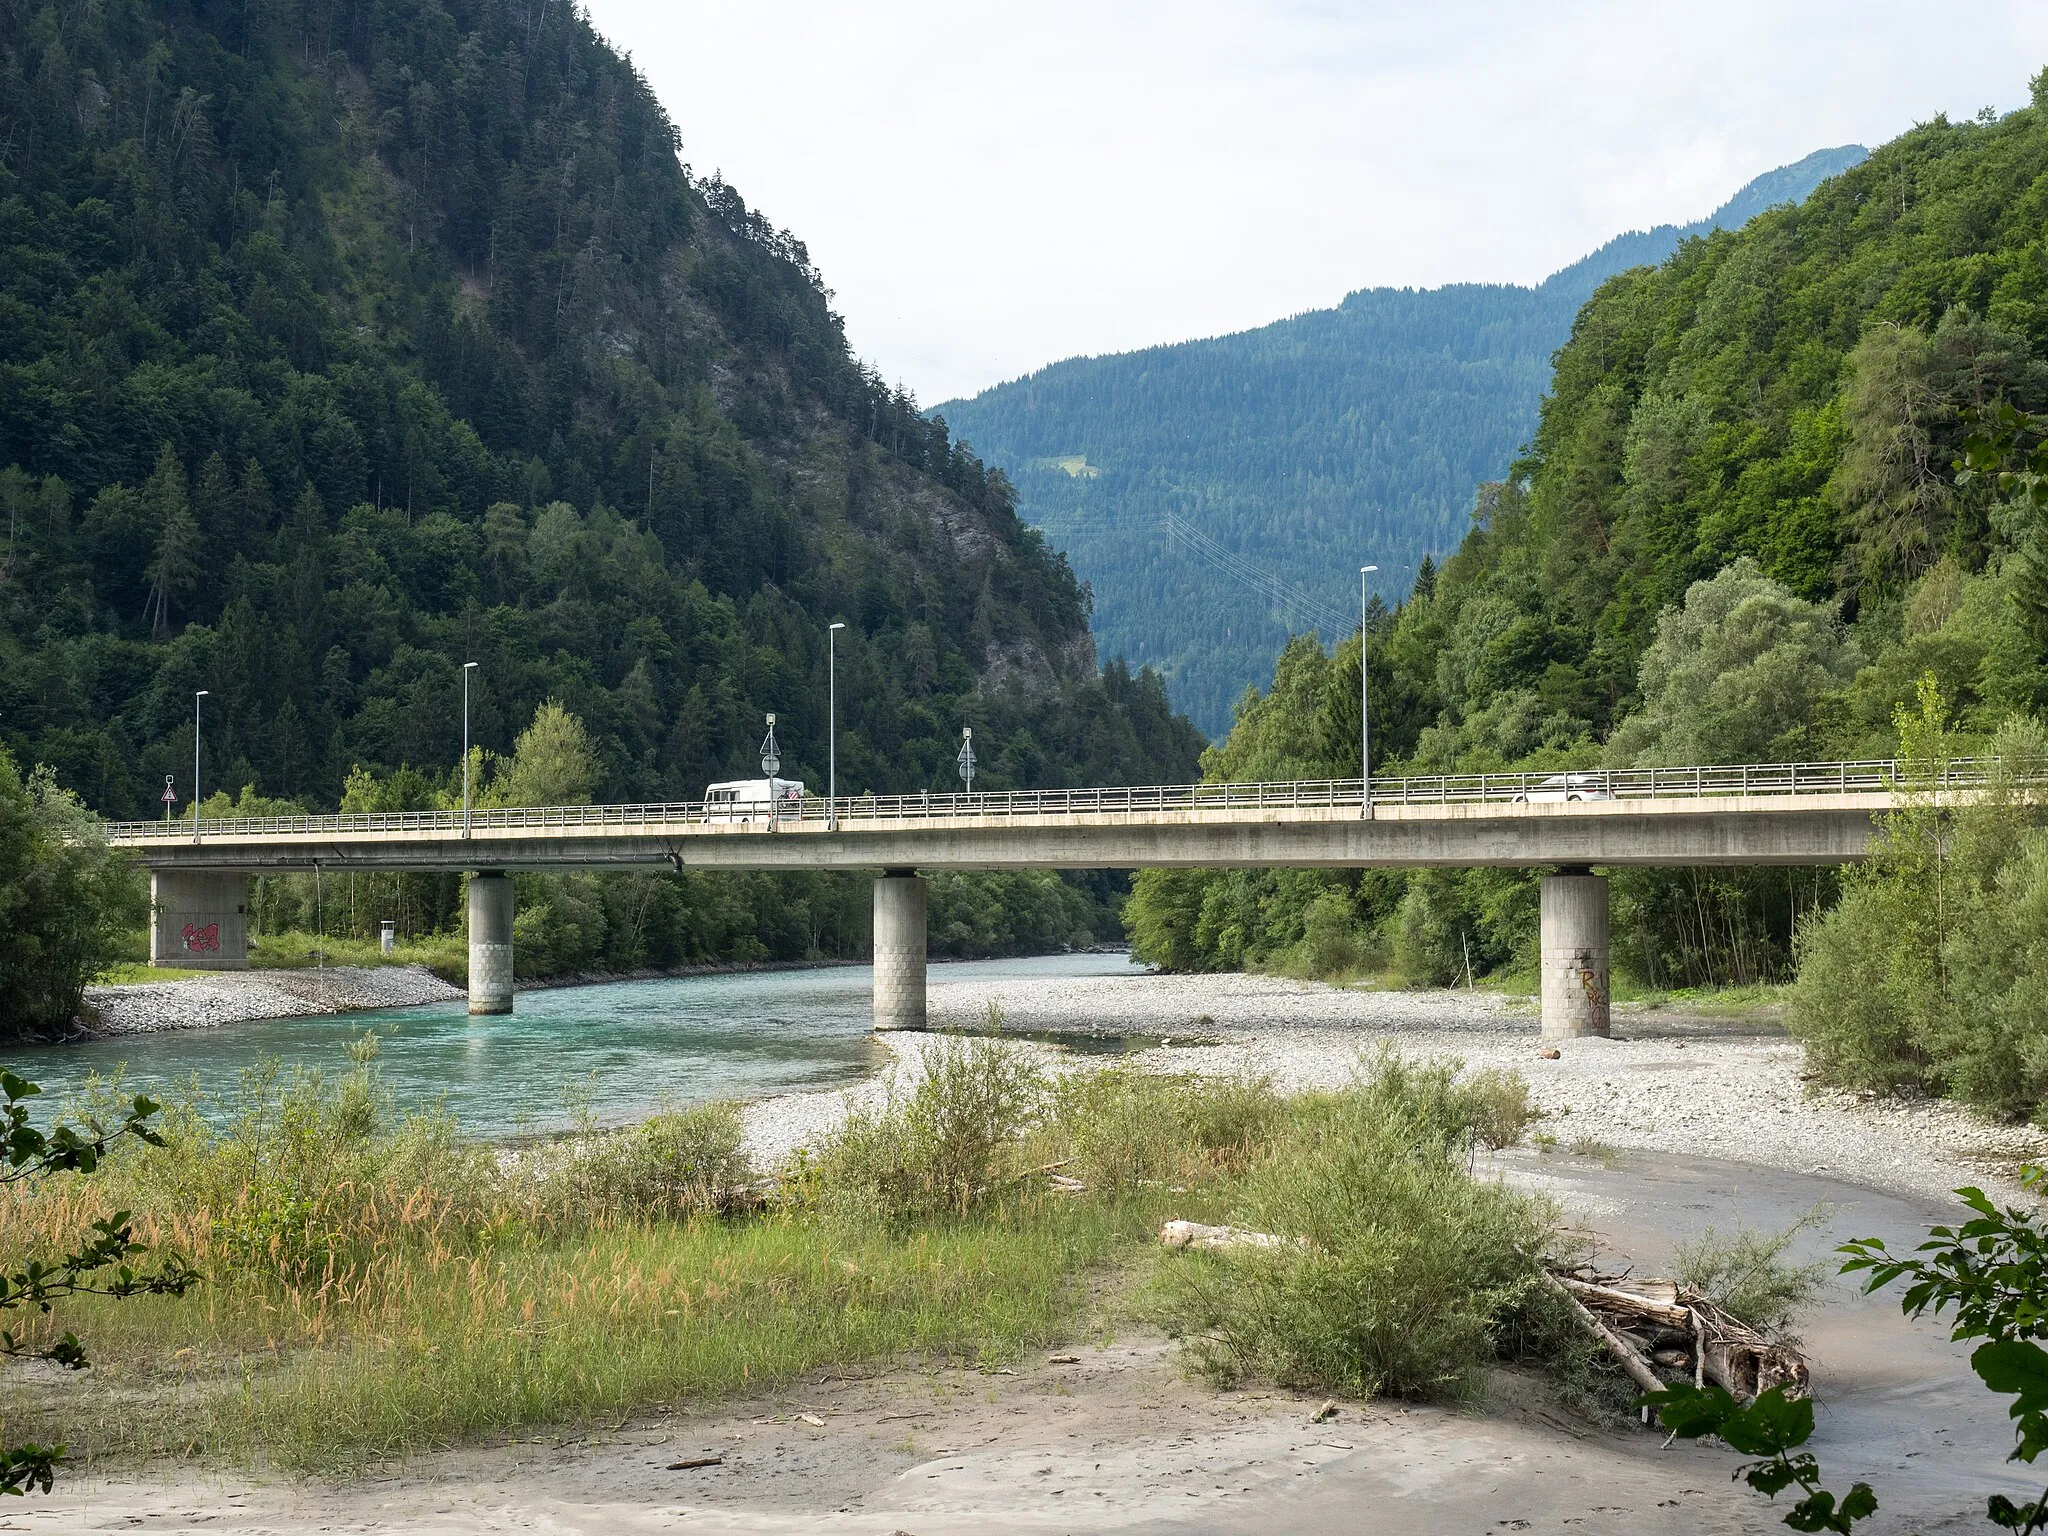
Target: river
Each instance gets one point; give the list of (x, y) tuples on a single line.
[(615, 1052)]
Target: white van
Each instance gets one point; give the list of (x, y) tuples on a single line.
[(742, 802)]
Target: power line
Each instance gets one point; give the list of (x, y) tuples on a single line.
[(1294, 604)]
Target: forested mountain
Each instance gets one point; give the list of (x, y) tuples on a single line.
[(342, 342), (1312, 446), (1739, 534)]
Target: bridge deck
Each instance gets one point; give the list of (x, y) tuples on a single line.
[(1808, 813)]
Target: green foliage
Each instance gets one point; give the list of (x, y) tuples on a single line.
[(553, 763), (67, 901), (1406, 1268), (288, 1177), (971, 914), (1932, 973), (1271, 441), (1771, 1428), (1123, 1128), (1498, 1107), (328, 367), (683, 1163), (1745, 1272), (98, 1266), (1737, 673)]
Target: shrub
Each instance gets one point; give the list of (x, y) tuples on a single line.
[(1332, 944), (1498, 1107), (939, 1148), (1932, 973), (680, 1164), (1746, 1272), (1407, 1265), (67, 902)]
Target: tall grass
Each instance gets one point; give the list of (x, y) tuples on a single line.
[(377, 1284), (939, 1147)]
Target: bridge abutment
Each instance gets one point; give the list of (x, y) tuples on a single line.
[(899, 950), (1574, 948), (490, 942), (198, 920)]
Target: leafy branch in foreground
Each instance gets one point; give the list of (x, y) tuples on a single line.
[(1993, 1272), (97, 1267), (1771, 1429)]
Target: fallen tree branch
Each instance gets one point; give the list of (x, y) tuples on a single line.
[(1631, 1360)]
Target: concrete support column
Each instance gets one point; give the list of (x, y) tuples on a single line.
[(899, 950), (199, 921), (490, 942), (1574, 942)]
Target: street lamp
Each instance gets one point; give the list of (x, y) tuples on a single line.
[(1364, 698), (832, 725), (195, 762), (467, 668)]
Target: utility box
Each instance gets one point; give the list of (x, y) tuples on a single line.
[(388, 934)]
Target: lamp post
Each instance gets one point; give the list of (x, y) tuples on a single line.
[(1364, 698), (832, 725), (195, 762), (467, 668)]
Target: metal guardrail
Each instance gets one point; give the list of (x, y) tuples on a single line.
[(864, 812)]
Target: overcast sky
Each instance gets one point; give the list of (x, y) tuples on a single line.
[(991, 188)]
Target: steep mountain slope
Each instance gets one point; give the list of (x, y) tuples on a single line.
[(1313, 445), (1739, 535), (341, 343), (1795, 393)]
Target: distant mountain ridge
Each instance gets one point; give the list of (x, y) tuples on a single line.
[(1310, 446), (1650, 247)]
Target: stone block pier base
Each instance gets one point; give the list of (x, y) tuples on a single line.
[(900, 950), (490, 942), (1574, 942)]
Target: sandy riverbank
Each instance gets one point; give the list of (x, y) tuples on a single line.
[(1107, 1434)]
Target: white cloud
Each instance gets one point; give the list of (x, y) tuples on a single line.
[(989, 189)]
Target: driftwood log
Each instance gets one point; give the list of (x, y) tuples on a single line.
[(1646, 1324), (1192, 1234)]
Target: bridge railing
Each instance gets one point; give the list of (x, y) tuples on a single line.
[(861, 811)]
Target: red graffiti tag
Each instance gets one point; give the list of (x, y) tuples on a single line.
[(201, 940)]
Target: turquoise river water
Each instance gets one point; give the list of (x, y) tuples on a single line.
[(616, 1052)]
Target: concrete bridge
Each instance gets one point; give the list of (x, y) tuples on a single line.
[(1783, 813)]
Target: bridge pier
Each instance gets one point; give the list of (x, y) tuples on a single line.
[(899, 950), (199, 920), (490, 942), (1576, 981)]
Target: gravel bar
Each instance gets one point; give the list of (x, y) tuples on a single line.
[(237, 997), (1683, 1084)]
